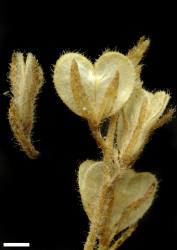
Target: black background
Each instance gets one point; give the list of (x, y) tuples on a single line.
[(39, 200)]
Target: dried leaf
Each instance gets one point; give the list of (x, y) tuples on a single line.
[(106, 68), (136, 55), (26, 79), (109, 97), (137, 52), (79, 94), (62, 79)]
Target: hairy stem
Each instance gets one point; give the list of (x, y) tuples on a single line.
[(99, 225), (123, 237), (99, 216), (97, 135)]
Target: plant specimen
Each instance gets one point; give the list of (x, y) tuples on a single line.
[(26, 78), (109, 94), (121, 114)]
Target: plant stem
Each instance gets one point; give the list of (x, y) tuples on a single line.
[(100, 213), (97, 135), (99, 224), (123, 237)]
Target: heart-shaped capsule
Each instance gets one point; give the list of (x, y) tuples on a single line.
[(94, 91), (133, 194)]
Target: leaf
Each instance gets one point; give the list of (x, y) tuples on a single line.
[(26, 79), (79, 93)]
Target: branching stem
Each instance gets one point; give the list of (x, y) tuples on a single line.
[(100, 222)]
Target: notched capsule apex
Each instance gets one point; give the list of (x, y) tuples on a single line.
[(102, 88)]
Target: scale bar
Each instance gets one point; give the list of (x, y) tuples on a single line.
[(7, 244)]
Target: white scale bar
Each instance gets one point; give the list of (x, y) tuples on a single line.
[(5, 244)]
